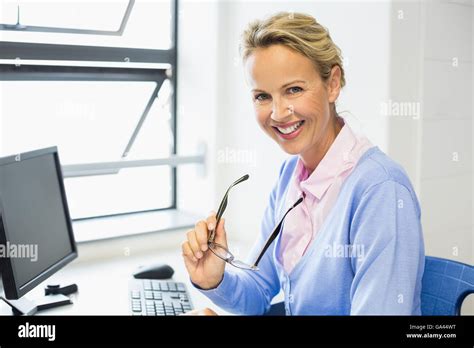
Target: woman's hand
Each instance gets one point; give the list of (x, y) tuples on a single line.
[(205, 269), (205, 311)]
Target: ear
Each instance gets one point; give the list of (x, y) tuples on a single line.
[(334, 84)]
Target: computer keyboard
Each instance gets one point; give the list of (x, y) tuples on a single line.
[(158, 297)]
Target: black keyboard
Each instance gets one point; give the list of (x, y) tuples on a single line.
[(158, 297)]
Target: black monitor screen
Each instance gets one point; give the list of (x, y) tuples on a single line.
[(37, 230)]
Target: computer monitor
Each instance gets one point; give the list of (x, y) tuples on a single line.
[(36, 235)]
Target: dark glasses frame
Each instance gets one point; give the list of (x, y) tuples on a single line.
[(222, 252)]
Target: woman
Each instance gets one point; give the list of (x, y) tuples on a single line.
[(354, 245)]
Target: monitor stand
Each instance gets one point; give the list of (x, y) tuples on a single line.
[(23, 306)]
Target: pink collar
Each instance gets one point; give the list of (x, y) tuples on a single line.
[(337, 160)]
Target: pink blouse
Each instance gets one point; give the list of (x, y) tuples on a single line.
[(321, 188)]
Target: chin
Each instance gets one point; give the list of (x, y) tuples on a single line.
[(290, 149)]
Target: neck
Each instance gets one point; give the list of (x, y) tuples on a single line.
[(313, 156)]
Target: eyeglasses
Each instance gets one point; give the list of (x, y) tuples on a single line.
[(223, 253)]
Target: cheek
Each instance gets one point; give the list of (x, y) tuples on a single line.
[(262, 115), (311, 107)]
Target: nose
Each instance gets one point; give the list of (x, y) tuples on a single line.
[(281, 112)]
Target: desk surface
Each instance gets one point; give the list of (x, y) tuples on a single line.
[(103, 284)]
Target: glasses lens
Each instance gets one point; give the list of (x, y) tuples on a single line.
[(221, 252), (243, 265)]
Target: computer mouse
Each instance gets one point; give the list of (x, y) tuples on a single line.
[(154, 271)]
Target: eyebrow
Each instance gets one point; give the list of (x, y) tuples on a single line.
[(286, 84)]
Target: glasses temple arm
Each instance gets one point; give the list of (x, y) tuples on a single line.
[(275, 233), (219, 213), (269, 241), (222, 206), (238, 181), (221, 209)]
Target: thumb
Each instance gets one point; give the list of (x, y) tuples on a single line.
[(221, 236)]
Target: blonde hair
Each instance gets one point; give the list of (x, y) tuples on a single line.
[(299, 32)]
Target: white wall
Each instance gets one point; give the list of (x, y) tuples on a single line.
[(446, 171), (432, 65), (197, 102), (432, 47)]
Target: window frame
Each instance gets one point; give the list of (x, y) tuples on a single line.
[(42, 29), (165, 60)]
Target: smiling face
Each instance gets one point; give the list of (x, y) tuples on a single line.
[(293, 105)]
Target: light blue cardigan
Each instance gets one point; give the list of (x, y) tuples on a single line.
[(377, 215)]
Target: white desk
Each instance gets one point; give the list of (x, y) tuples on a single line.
[(103, 283)]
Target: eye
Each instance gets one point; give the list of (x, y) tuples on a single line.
[(261, 97), (294, 90)]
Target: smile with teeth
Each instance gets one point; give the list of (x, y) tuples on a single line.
[(290, 129)]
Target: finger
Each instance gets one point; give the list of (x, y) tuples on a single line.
[(187, 252), (211, 225), (202, 233), (192, 239), (208, 311), (190, 261), (221, 236), (211, 221), (205, 311)]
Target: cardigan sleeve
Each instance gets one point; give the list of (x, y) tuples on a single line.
[(386, 227)]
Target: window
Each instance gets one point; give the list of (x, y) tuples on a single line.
[(112, 23), (60, 14), (97, 80), (93, 122)]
